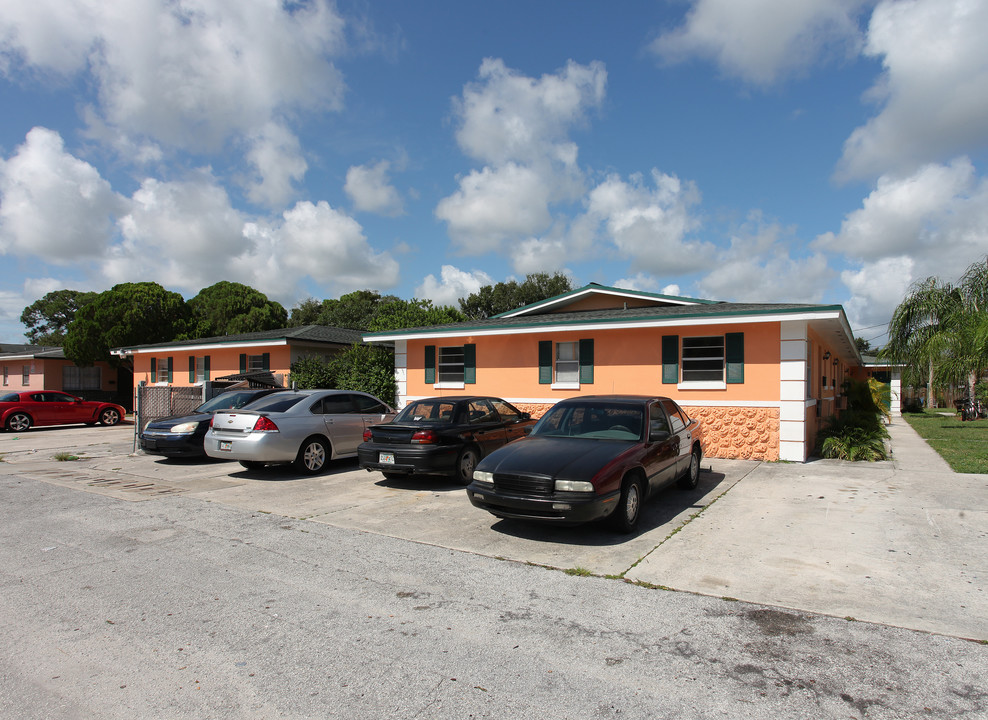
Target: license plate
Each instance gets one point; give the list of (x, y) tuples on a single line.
[(226, 445), (387, 459)]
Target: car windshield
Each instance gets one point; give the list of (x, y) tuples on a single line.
[(600, 421), (228, 401), (276, 402), (427, 412)]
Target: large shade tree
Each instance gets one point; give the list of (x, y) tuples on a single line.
[(48, 318), (230, 308), (940, 330), (126, 314), (495, 299)]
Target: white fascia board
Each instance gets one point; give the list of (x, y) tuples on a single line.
[(583, 327), (209, 346)]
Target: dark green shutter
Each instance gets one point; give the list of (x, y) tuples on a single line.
[(205, 368), (670, 359), (469, 363), (192, 369), (734, 355), (586, 362), (154, 370), (171, 365), (545, 362), (266, 361), (243, 363), (430, 364)]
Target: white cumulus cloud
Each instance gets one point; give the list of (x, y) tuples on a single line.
[(650, 224), (452, 285), (763, 41), (932, 91), (53, 204), (937, 215), (370, 190)]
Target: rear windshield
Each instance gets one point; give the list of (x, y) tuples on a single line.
[(276, 402), (600, 421), (233, 400), (427, 412)]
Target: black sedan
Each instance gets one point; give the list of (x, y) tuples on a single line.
[(589, 458), (442, 436), (182, 436)]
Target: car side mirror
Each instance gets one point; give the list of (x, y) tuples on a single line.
[(526, 416), (527, 430), (658, 435)]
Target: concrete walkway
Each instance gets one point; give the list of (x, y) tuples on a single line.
[(902, 542)]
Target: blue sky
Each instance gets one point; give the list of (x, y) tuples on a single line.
[(829, 151)]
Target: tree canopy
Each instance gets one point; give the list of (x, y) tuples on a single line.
[(230, 308), (368, 310), (126, 314), (940, 330), (48, 318), (495, 299)]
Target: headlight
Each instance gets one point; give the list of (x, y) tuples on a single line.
[(183, 428), (483, 477), (573, 486)]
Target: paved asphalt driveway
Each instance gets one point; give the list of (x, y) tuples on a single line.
[(902, 543)]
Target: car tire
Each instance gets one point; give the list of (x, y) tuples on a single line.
[(466, 461), (313, 456), (19, 422), (110, 416), (691, 477), (251, 464), (626, 515)]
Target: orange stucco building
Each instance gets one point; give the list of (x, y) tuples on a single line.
[(759, 377), (186, 363)]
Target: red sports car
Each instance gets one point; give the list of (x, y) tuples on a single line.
[(21, 410)]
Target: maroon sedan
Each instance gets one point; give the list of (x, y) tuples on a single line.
[(21, 410)]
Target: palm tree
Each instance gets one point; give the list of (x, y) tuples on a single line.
[(940, 331)]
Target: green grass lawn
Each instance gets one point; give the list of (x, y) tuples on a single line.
[(964, 445)]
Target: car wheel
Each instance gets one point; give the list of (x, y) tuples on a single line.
[(691, 477), (252, 464), (465, 464), (629, 509), (312, 456), (18, 422), (110, 416)]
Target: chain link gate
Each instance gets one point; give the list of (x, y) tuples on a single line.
[(158, 401)]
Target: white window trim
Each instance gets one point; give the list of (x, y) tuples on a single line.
[(450, 386), (702, 385), (565, 386)]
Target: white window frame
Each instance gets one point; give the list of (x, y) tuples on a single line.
[(450, 381), (705, 384), (201, 369), (25, 375), (569, 365)]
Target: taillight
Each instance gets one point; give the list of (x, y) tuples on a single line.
[(368, 435), (425, 437), (264, 424)]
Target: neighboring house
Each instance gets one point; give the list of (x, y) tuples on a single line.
[(186, 363), (760, 377), (38, 367), (886, 372)]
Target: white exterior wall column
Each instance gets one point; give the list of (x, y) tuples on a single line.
[(792, 392), (401, 373), (895, 407)]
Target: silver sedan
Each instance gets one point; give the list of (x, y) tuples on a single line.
[(305, 427)]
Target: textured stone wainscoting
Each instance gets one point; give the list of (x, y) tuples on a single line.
[(738, 433), (725, 432)]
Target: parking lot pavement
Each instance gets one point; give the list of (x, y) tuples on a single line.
[(900, 543)]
